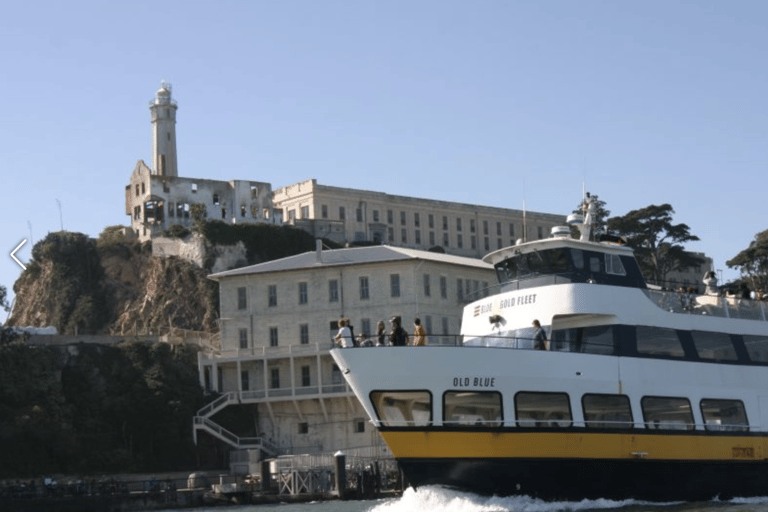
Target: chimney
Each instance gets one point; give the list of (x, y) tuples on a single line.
[(319, 250)]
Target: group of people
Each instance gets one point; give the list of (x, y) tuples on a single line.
[(397, 336)]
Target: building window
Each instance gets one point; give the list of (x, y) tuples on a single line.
[(445, 239), (512, 230), (194, 188), (443, 287), (273, 341), (390, 217), (416, 219), (485, 227), (487, 244), (324, 211), (417, 237), (272, 295), (394, 285), (375, 215), (458, 223), (471, 225), (540, 232), (303, 299), (244, 380), (274, 378), (242, 300), (473, 242), (445, 222), (333, 290), (459, 241), (243, 338), (342, 213), (216, 199), (432, 238), (427, 290), (171, 209), (404, 235), (304, 428), (460, 289), (305, 212), (305, 376), (359, 425), (364, 294), (431, 221), (304, 334), (498, 243), (365, 327), (391, 234), (402, 218), (359, 214), (498, 228)]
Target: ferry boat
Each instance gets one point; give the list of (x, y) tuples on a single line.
[(640, 393)]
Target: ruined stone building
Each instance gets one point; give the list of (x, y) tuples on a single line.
[(157, 197)]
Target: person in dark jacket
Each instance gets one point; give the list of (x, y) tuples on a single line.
[(397, 337)]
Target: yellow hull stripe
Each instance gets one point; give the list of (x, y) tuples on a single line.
[(578, 445)]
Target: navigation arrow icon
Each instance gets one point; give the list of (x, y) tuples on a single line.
[(13, 254)]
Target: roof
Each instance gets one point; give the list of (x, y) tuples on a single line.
[(350, 256)]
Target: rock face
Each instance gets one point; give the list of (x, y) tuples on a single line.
[(84, 286)]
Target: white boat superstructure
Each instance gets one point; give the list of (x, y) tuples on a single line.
[(641, 393)]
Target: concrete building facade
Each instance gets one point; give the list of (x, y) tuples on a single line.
[(279, 318), (352, 215)]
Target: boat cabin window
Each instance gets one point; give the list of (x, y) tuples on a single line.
[(472, 408), (724, 415), (403, 408), (564, 264), (714, 345), (542, 409), (757, 347), (658, 341), (667, 413), (606, 411), (597, 339)]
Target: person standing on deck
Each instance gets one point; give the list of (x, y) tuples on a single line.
[(419, 334), (539, 337)]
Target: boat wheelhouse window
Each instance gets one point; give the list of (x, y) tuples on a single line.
[(403, 408), (667, 413), (578, 258), (714, 345), (550, 410), (613, 265), (658, 341), (724, 415), (757, 347), (606, 411), (472, 408), (594, 264)]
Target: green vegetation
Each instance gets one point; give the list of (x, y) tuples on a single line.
[(752, 262), (658, 243), (263, 242), (115, 408), (176, 231)]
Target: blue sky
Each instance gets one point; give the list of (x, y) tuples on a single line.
[(489, 102)]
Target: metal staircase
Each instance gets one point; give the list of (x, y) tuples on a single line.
[(203, 422)]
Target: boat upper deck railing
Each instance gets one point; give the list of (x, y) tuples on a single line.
[(709, 305)]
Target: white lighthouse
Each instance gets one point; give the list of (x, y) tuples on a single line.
[(163, 110)]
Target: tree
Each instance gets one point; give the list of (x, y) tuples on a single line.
[(4, 298), (752, 262), (658, 243), (199, 216), (600, 219)]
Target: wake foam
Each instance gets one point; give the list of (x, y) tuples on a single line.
[(440, 499)]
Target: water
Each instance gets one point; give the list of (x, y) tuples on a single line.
[(436, 499)]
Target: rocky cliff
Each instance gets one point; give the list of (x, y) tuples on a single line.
[(113, 285), (81, 285)]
